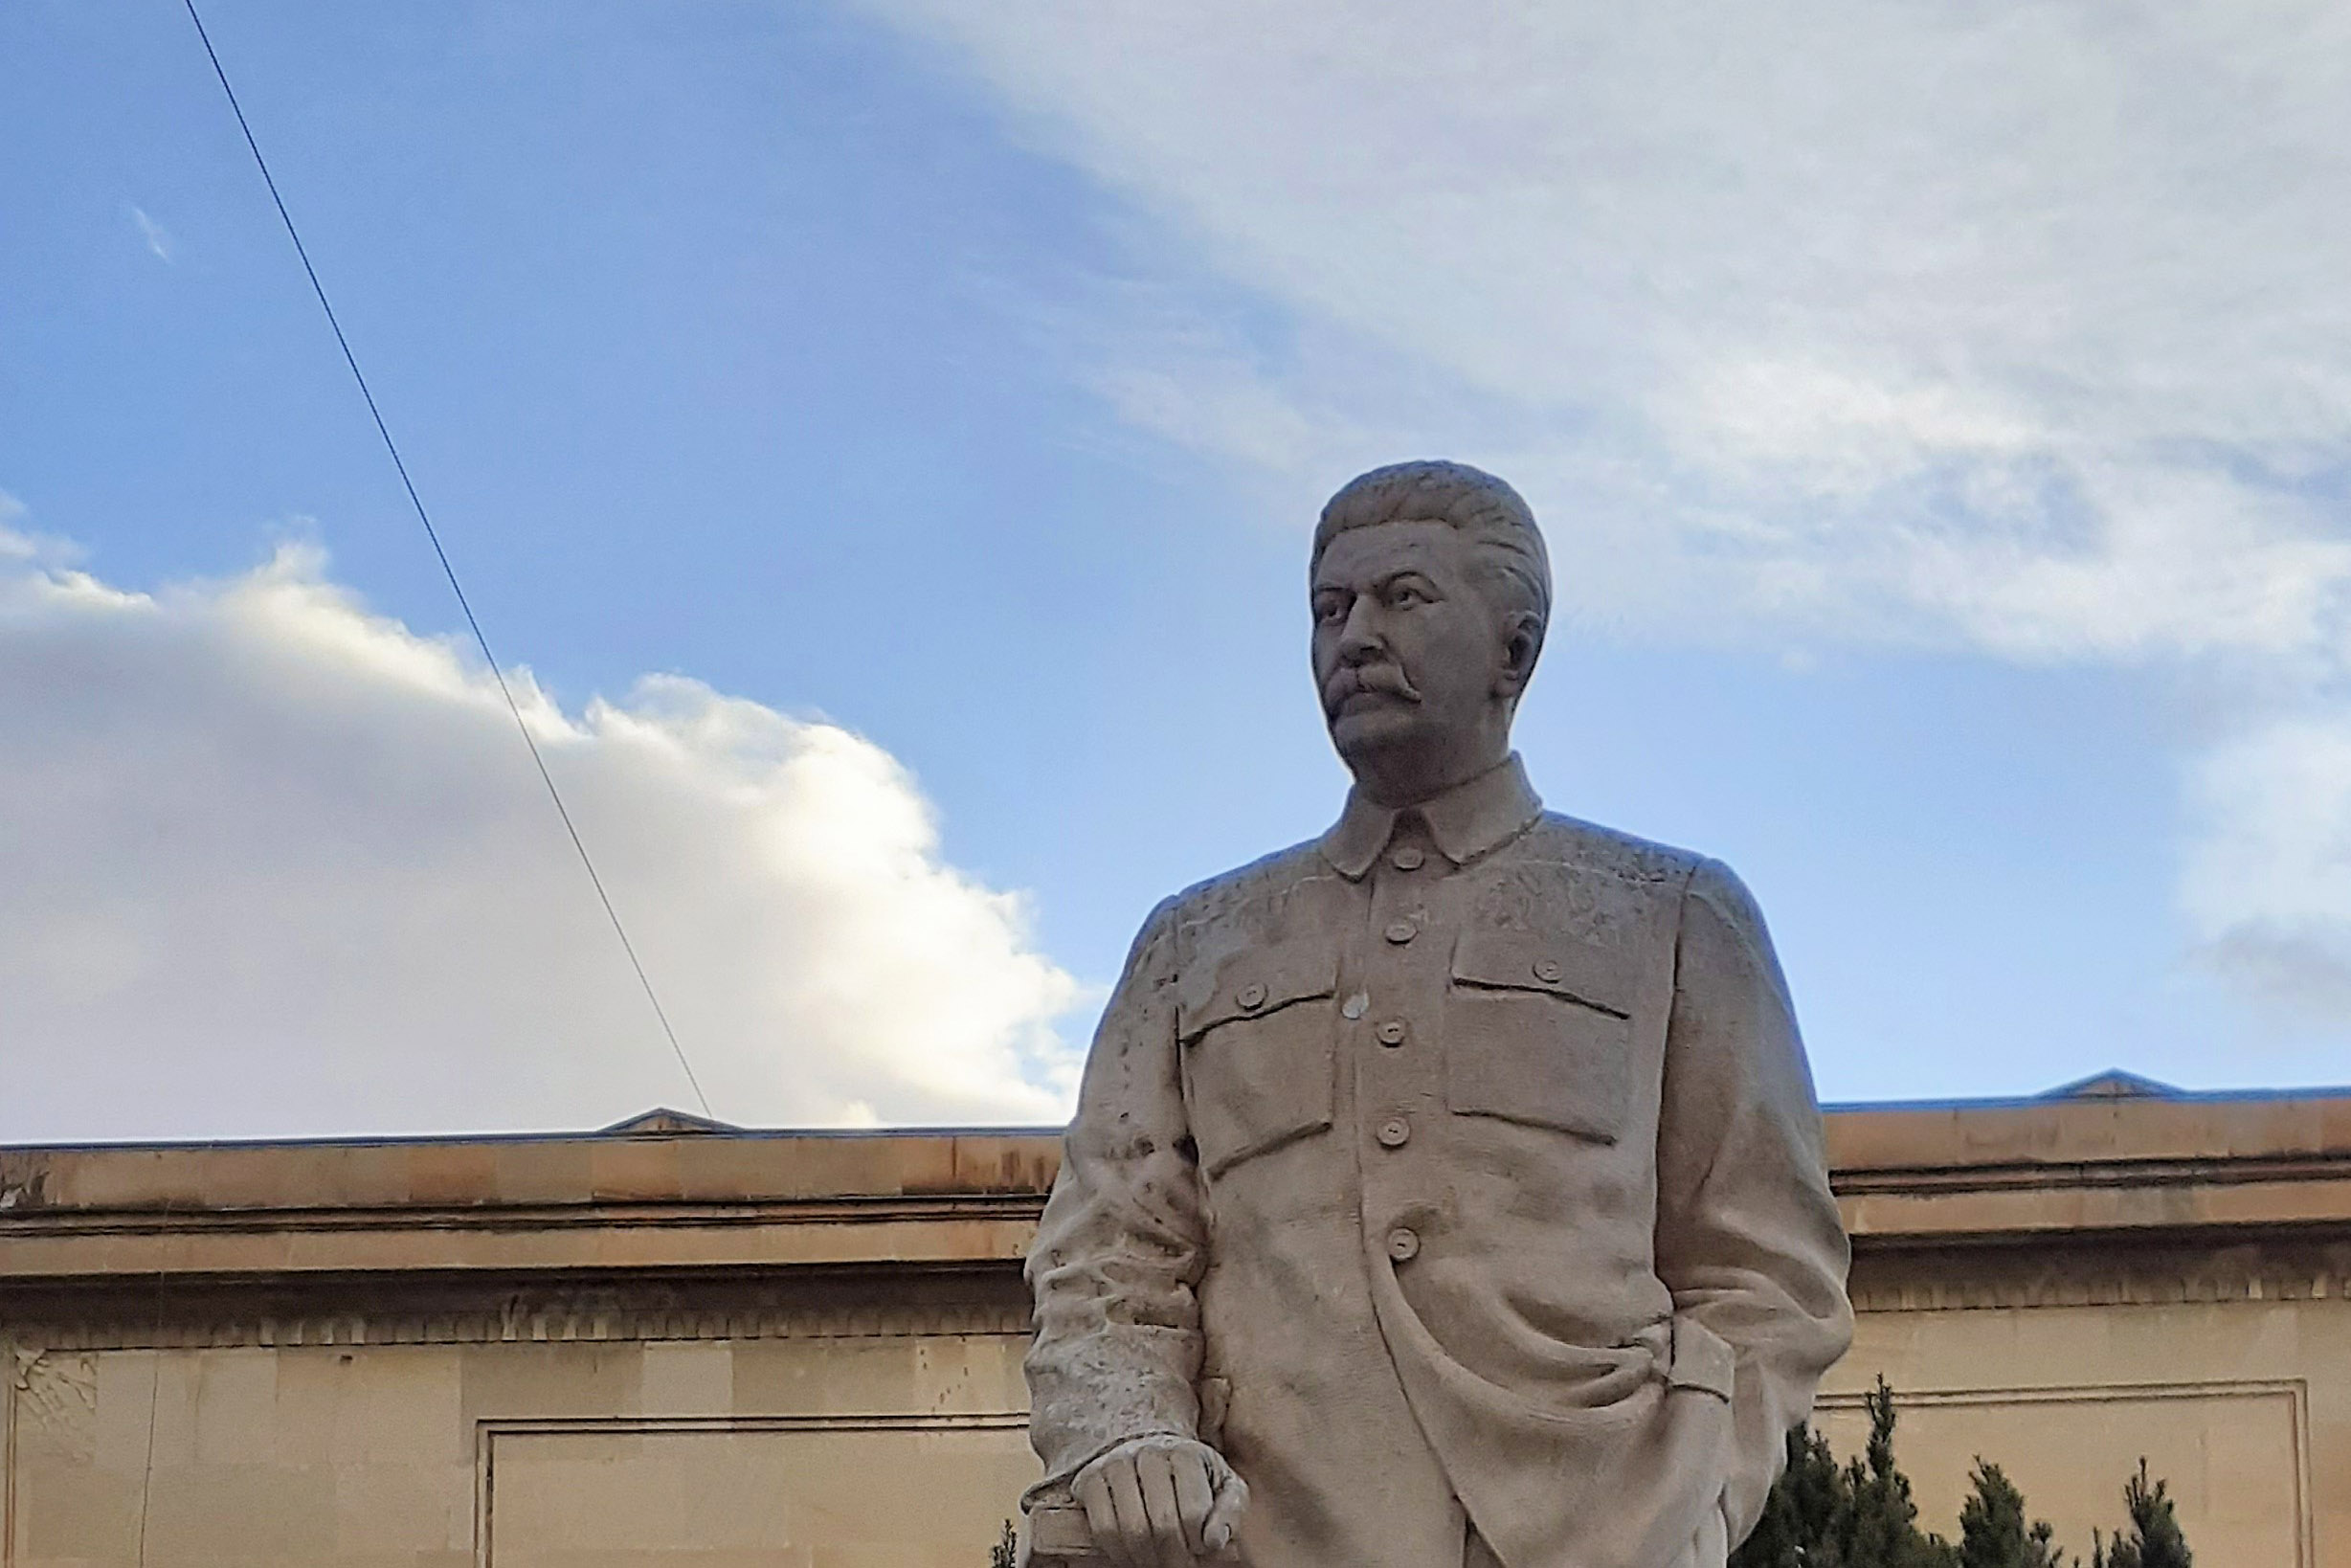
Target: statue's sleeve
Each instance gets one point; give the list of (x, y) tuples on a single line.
[(1123, 1242), (1748, 1236)]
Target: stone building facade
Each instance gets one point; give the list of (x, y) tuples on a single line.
[(673, 1344)]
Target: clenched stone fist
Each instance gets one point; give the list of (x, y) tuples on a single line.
[(1160, 1502)]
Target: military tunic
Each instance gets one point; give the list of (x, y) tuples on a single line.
[(1457, 1174)]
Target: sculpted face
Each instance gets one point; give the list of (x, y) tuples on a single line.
[(1418, 669)]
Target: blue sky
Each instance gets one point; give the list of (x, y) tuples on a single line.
[(1940, 434)]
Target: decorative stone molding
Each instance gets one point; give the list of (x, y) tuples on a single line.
[(2100, 1272), (715, 1235), (208, 1314)]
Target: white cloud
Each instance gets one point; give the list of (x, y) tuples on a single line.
[(158, 239), (2270, 885), (19, 546), (1898, 309), (285, 866), (2017, 328)]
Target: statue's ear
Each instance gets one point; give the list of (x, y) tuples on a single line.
[(1522, 643)]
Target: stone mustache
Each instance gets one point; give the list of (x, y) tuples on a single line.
[(1448, 1189)]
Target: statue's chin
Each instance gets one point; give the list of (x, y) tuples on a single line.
[(1377, 742)]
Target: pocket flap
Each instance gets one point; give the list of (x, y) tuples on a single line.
[(1257, 981), (1578, 971), (1702, 1359)]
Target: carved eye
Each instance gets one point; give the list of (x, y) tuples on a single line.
[(1406, 597)]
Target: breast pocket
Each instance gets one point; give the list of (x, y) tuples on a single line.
[(1258, 1053), (1538, 1031)]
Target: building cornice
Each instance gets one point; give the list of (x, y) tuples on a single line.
[(584, 1206)]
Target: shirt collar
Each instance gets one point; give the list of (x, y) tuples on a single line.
[(1466, 822)]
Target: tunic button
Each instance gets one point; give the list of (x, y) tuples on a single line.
[(1401, 931), (1409, 858), (1403, 1246), (1392, 1132), (1252, 996), (1547, 969), (1390, 1033)]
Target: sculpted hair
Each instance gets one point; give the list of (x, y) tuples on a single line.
[(1496, 518)]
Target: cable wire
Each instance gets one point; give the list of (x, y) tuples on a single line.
[(155, 1380), (448, 571)]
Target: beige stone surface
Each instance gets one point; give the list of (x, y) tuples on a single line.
[(2240, 1406), (902, 1449), (755, 1494), (803, 1308), (1558, 1249)]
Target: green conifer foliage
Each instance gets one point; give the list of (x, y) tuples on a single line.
[(1861, 1515), (2153, 1540), (1993, 1532), (1799, 1515), (1885, 1531)]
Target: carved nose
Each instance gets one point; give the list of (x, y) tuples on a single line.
[(1359, 638)]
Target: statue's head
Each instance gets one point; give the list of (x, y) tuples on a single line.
[(1431, 589)]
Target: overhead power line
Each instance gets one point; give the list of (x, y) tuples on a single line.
[(448, 571)]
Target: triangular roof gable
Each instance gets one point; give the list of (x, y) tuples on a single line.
[(662, 1119), (2113, 1083)]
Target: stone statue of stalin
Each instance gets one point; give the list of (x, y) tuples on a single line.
[(1448, 1189)]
